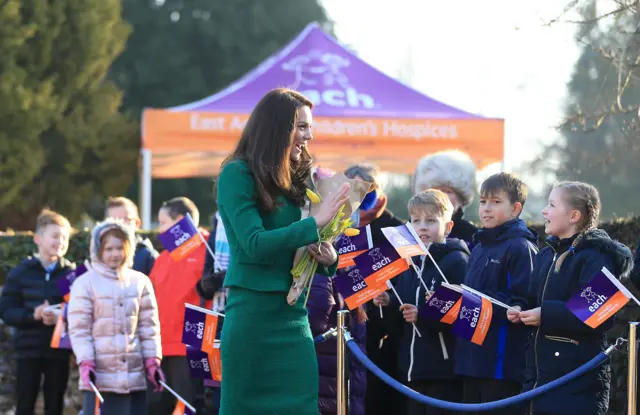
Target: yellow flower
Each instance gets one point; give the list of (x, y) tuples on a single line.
[(352, 232), (313, 197)]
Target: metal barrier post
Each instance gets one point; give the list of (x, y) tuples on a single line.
[(632, 379), (341, 383)]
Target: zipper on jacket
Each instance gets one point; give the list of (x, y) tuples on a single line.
[(535, 342), (562, 339)]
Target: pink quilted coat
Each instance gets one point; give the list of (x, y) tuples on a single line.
[(113, 320)]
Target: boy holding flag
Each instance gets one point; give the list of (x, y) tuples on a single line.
[(30, 289), (424, 362), (500, 266)]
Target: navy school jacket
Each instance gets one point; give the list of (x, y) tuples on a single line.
[(28, 285), (563, 342), (500, 266), (422, 358)]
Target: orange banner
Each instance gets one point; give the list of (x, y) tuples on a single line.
[(609, 308), (186, 248), (215, 364), (188, 144), (484, 321), (452, 314), (209, 337)]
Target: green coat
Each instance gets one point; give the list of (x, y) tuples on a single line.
[(269, 363)]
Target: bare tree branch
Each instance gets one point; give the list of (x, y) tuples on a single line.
[(567, 9), (604, 16), (599, 117)]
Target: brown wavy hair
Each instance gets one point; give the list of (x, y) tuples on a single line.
[(265, 145)]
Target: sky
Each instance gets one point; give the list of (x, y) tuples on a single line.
[(496, 58)]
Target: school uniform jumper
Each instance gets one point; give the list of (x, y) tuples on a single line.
[(500, 266)]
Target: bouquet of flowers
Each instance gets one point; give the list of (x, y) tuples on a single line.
[(304, 265)]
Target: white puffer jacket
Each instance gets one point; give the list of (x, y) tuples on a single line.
[(113, 320)]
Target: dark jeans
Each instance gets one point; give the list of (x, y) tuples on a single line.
[(134, 403), (443, 389), (478, 390), (28, 381), (176, 370)]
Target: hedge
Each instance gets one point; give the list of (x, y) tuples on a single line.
[(15, 247)]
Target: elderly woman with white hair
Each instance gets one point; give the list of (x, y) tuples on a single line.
[(452, 172)]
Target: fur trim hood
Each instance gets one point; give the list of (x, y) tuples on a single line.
[(101, 228), (453, 169)]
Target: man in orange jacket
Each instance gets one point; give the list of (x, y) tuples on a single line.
[(174, 283)]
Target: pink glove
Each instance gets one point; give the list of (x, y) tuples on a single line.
[(154, 372), (88, 372)]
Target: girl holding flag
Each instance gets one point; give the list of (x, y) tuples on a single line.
[(268, 358), (561, 342), (113, 325)]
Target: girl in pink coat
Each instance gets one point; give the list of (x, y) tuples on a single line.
[(113, 325)]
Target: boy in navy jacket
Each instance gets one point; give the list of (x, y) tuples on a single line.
[(30, 289), (424, 363), (500, 266)]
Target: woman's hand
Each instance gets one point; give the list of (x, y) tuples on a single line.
[(410, 313), (324, 253), (331, 205), (514, 316), (531, 317), (382, 300)]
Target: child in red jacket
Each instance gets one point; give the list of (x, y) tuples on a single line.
[(174, 283)]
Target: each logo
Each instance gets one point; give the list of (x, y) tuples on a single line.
[(436, 302), (376, 255), (466, 313), (190, 327), (320, 76), (589, 295), (318, 68), (179, 235), (355, 275)]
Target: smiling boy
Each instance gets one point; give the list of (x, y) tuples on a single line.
[(30, 288)]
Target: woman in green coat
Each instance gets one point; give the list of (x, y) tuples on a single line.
[(268, 359)]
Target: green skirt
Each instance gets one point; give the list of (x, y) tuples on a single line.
[(269, 364)]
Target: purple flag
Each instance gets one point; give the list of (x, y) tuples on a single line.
[(380, 264), (64, 284), (599, 300), (354, 289), (203, 365), (443, 306), (403, 239), (474, 318), (349, 247), (200, 328), (181, 239)]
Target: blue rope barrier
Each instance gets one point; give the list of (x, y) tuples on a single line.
[(321, 338), (480, 407)]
